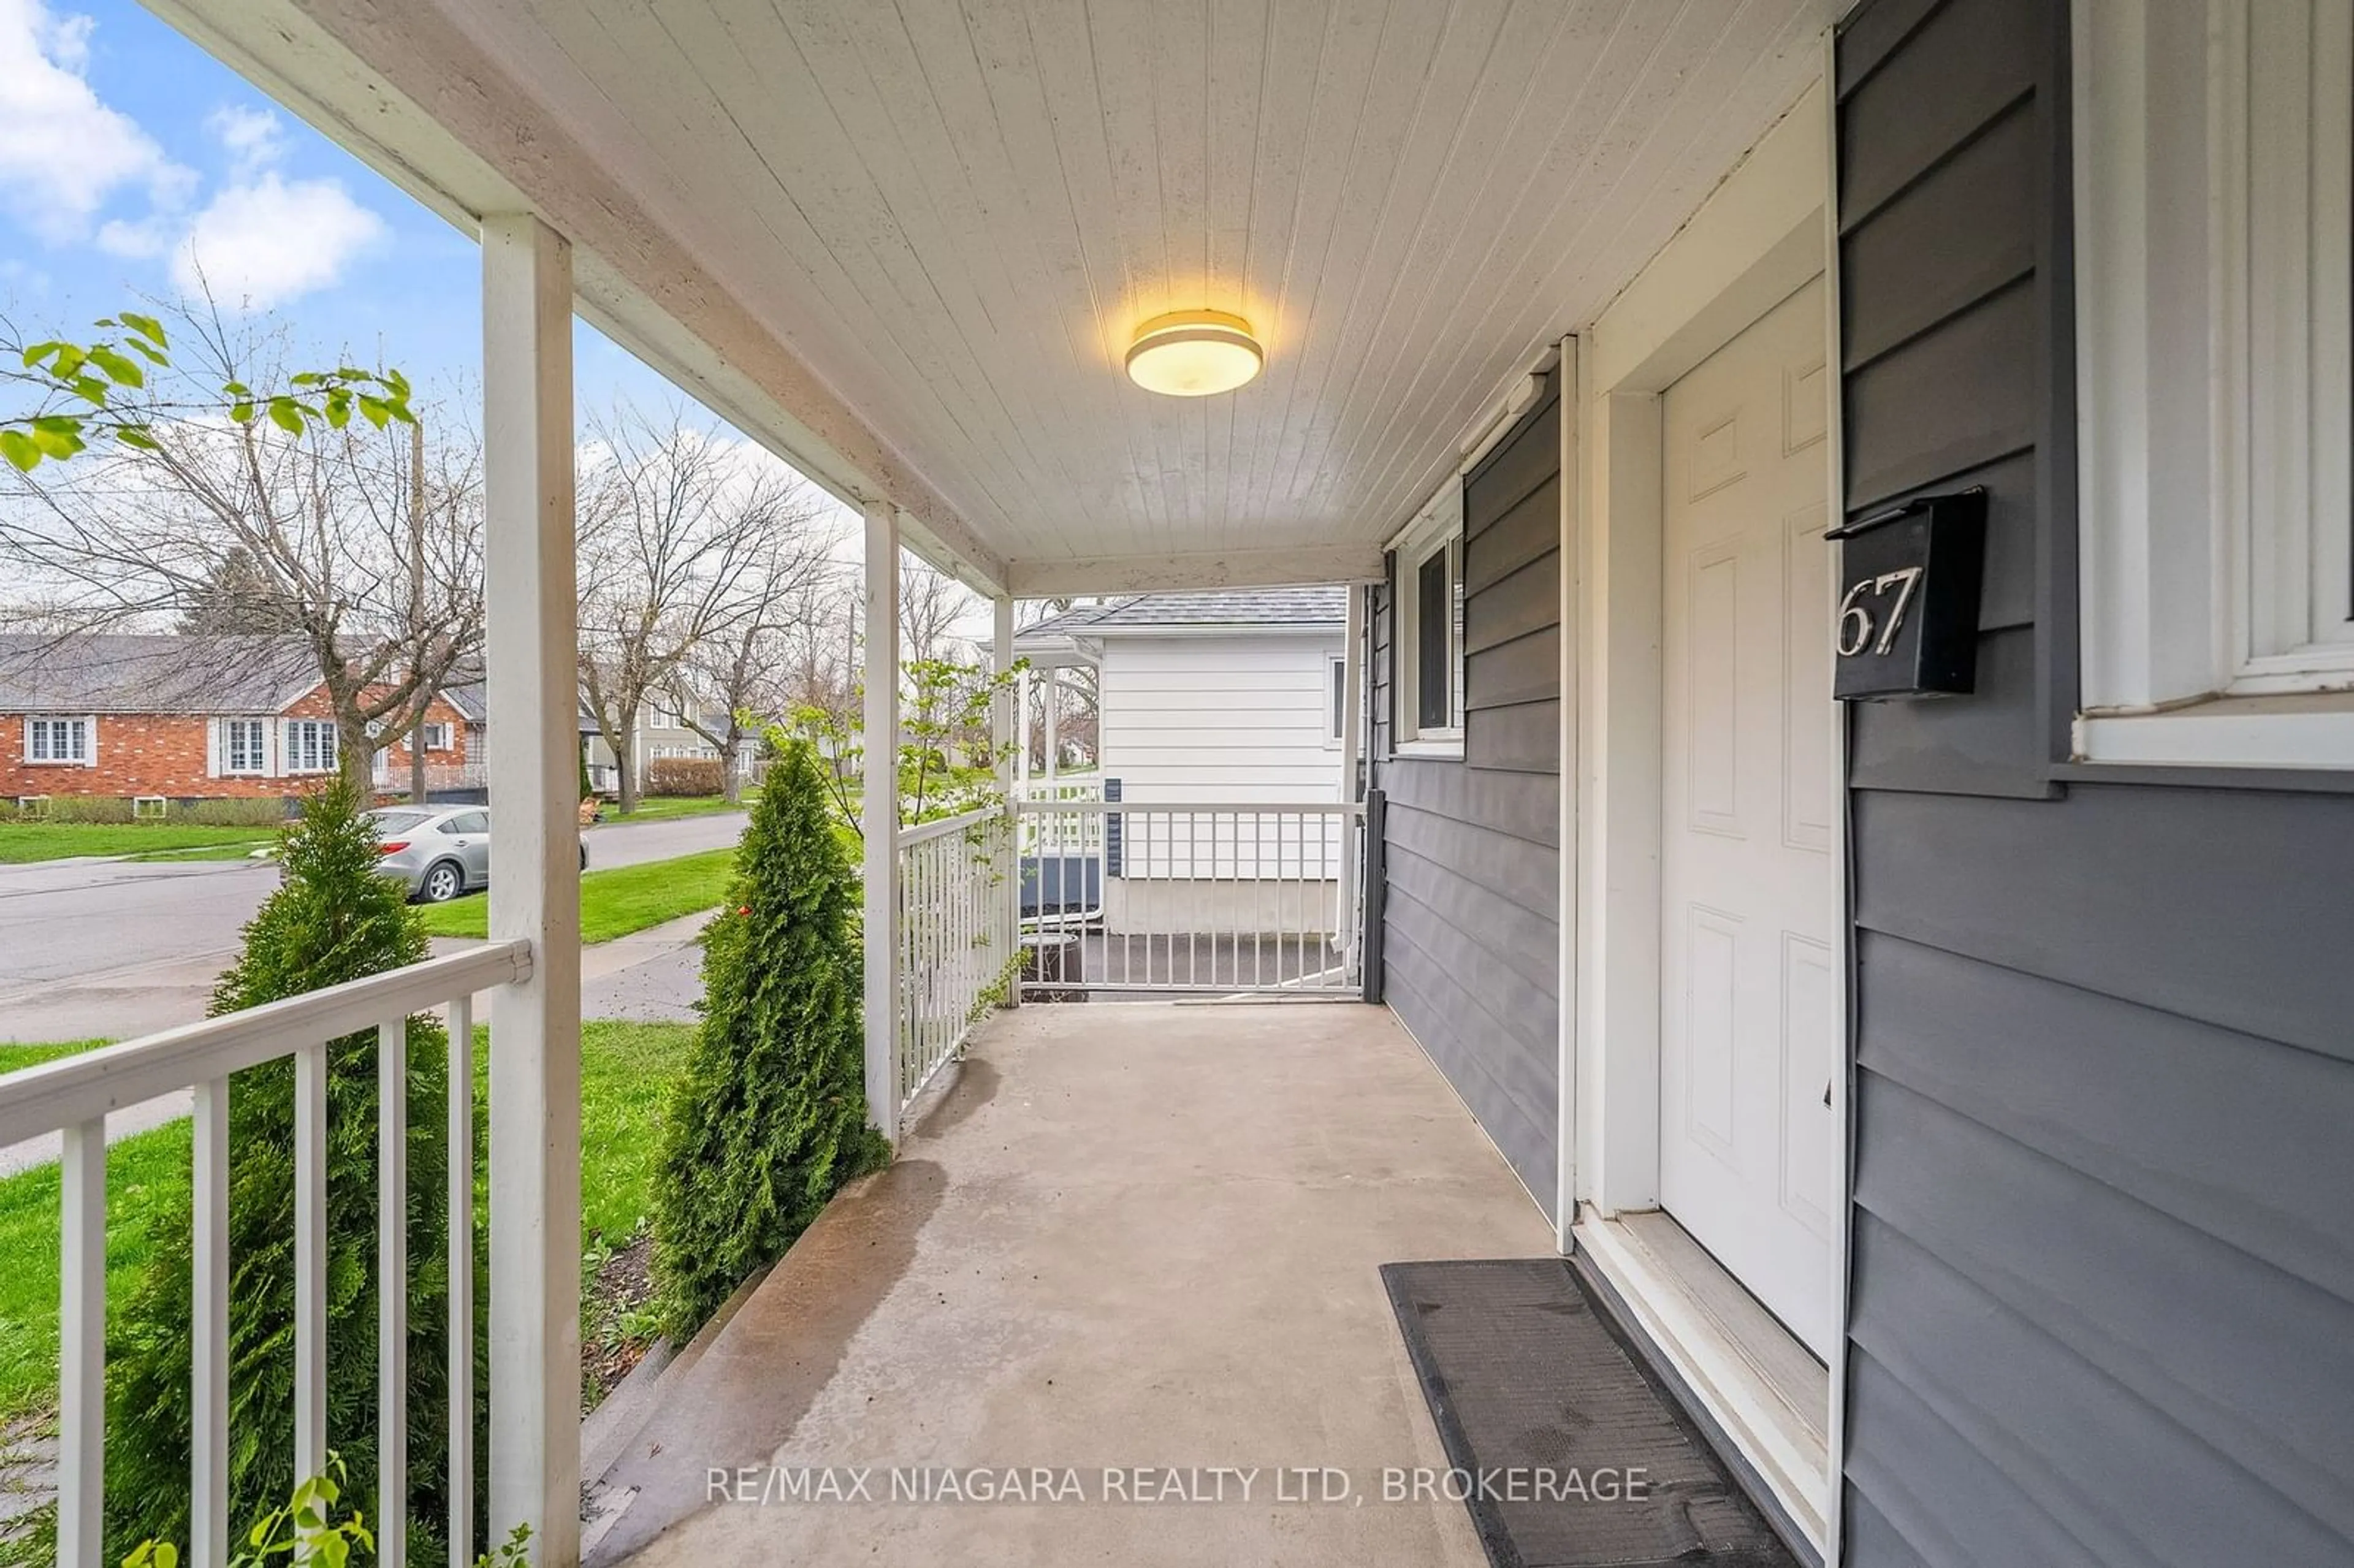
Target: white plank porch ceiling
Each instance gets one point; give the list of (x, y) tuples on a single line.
[(955, 212)]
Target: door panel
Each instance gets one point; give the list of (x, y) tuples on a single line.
[(473, 834), (1750, 999)]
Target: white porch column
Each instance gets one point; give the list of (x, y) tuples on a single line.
[(1000, 746), (882, 816), (536, 1068), (1353, 677), (1054, 711), (1001, 706), (1022, 730)]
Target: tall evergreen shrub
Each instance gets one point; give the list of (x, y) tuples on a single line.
[(770, 1120), (331, 919)]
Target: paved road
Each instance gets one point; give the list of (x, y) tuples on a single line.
[(94, 948), (628, 843), (653, 976)]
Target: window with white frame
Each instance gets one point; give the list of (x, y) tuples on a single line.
[(2214, 189), (1428, 629), (437, 737), (59, 740), (1336, 691), (311, 746), (68, 742), (245, 745)]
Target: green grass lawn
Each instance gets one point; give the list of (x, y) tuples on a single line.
[(15, 1056), (616, 901), (627, 1071), (23, 842), (142, 1172), (662, 808), (626, 1074)]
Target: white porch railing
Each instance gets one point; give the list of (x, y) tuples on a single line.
[(74, 1095), (1183, 898), (956, 938), (1081, 787)]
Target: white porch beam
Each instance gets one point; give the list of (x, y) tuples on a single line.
[(535, 833), (1080, 577), (880, 817)]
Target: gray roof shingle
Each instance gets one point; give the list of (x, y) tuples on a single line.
[(1282, 609), (129, 672)]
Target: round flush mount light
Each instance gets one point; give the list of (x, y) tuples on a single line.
[(1193, 354)]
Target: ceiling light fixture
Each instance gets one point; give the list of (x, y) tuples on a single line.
[(1193, 354)]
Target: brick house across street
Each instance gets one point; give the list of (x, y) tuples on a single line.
[(149, 717)]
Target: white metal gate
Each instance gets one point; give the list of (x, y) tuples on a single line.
[(1155, 899)]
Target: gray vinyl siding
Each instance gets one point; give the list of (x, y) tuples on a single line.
[(1471, 919), (2101, 1278)]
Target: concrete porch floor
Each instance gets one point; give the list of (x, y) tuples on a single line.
[(1121, 1236)]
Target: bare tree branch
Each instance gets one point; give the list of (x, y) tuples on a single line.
[(681, 531), (310, 529), (930, 605)]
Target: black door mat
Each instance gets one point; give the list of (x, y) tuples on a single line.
[(1565, 1449)]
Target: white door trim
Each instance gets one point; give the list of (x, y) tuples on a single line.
[(1763, 235), (1843, 1081), (1565, 1126)]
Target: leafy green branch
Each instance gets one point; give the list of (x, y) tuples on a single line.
[(947, 762), (87, 393), (306, 1533)]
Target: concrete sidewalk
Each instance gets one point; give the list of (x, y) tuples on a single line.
[(653, 975), (1123, 1236)]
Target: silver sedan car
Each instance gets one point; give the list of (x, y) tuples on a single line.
[(440, 851)]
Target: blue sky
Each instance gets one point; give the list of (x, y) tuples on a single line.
[(130, 154)]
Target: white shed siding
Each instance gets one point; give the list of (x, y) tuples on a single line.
[(1223, 717)]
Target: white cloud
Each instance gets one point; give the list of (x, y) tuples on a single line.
[(263, 242), (260, 240), (264, 239), (148, 236), (64, 153), (253, 138)]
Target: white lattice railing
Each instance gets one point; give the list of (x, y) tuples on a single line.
[(1185, 897), (956, 937), (73, 1096)]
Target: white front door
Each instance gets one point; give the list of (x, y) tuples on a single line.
[(1751, 999)]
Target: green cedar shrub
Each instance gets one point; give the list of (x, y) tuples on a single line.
[(770, 1120), (331, 919)]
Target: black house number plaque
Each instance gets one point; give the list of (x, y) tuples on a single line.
[(1907, 617)]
